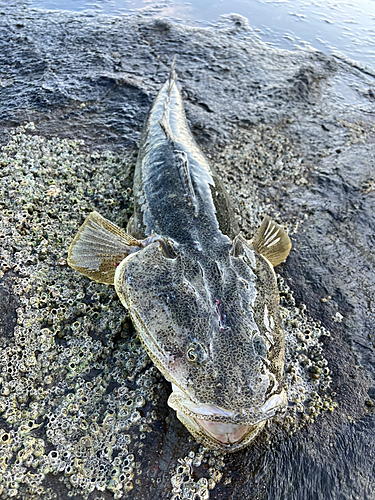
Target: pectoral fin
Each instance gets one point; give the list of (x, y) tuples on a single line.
[(272, 241), (98, 247)]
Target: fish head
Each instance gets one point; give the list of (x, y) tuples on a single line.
[(212, 327)]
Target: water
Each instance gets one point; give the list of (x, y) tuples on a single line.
[(344, 26)]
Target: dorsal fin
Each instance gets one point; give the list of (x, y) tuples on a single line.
[(98, 247), (166, 128), (272, 241)]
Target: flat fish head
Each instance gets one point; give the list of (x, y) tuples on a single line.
[(212, 327)]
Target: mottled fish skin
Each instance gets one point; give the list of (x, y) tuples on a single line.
[(174, 185), (203, 300)]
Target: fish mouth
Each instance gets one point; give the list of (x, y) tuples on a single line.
[(220, 435), (220, 428)]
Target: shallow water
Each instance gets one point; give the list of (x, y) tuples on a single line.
[(328, 25)]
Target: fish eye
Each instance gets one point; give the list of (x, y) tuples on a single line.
[(195, 353), (192, 355)]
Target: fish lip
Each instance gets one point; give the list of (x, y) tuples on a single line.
[(181, 402), (220, 428)]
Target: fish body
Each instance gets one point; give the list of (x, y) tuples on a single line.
[(203, 300)]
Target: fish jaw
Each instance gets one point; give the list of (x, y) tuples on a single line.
[(219, 428), (226, 438), (217, 417)]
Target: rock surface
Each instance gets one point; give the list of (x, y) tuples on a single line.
[(292, 135)]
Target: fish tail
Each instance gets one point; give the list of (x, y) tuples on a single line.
[(164, 120), (172, 74)]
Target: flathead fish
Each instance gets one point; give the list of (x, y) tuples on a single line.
[(204, 301)]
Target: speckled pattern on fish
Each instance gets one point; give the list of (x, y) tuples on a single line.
[(203, 300)]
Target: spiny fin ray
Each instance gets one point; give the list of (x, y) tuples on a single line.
[(272, 241)]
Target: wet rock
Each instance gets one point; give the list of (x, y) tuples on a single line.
[(83, 412)]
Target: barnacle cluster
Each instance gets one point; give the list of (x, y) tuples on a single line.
[(307, 376), (185, 486), (257, 168), (79, 398), (77, 392), (359, 131)]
